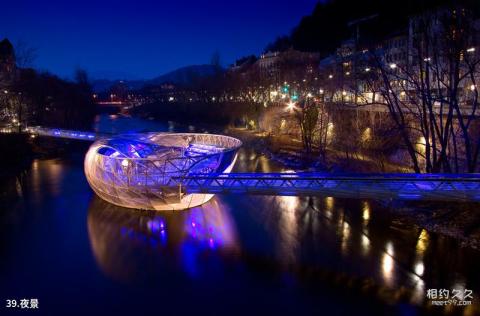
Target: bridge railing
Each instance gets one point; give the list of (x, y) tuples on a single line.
[(63, 133), (465, 187)]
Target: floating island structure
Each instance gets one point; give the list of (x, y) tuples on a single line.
[(134, 170)]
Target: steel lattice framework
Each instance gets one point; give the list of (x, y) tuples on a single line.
[(134, 170), (378, 186)]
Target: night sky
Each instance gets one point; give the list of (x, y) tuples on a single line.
[(143, 39)]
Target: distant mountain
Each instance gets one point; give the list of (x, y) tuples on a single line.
[(182, 76), (103, 85), (113, 75), (185, 75)]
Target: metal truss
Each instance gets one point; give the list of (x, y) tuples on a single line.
[(441, 187)]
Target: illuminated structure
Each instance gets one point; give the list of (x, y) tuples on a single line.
[(132, 170), (165, 171)]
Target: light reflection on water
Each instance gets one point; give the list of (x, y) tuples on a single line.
[(313, 240), (128, 244), (388, 265), (288, 227)]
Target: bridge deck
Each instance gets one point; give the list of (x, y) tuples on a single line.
[(376, 186), (63, 133)]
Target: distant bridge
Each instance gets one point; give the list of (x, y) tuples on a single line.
[(63, 133), (401, 186)]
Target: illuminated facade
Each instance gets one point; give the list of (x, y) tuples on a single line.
[(132, 170)]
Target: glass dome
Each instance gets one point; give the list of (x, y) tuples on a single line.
[(132, 170)]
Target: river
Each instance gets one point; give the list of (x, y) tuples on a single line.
[(238, 254)]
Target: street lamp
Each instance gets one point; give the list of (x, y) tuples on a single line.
[(290, 106)]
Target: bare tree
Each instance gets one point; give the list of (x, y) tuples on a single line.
[(306, 115), (433, 97), (25, 55)]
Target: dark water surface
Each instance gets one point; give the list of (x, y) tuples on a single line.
[(237, 254)]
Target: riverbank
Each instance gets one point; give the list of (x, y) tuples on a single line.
[(17, 152), (289, 152), (460, 221)]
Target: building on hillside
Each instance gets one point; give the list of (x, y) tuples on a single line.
[(424, 44)]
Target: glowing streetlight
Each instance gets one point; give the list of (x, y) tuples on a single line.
[(330, 76), (471, 49), (472, 87), (393, 66), (367, 69), (290, 106), (309, 95)]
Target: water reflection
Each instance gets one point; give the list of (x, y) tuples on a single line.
[(365, 213), (365, 245), (422, 242), (388, 264), (47, 177), (328, 206), (345, 236), (290, 244), (131, 245), (288, 227)]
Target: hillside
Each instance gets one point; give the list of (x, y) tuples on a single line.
[(184, 76)]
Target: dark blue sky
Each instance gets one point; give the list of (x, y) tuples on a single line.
[(143, 39)]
